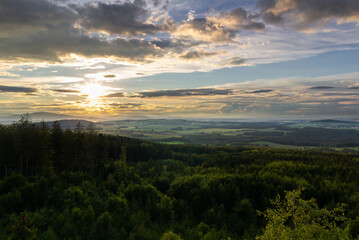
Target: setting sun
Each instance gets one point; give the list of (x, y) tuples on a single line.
[(93, 90)]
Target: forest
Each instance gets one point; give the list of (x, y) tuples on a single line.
[(79, 184)]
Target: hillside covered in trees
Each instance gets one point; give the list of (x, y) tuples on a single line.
[(78, 184)]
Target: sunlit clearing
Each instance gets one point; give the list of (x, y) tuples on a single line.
[(93, 90)]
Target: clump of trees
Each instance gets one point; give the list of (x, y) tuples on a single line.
[(38, 149)]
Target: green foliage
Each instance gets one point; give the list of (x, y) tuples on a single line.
[(22, 228), (140, 232), (49, 235), (170, 236), (104, 228), (77, 184), (295, 218)]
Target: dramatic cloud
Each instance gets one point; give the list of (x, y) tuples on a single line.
[(184, 92), (238, 19), (204, 29), (26, 16), (44, 31), (38, 29), (138, 31), (12, 89), (59, 41), (305, 14), (222, 27), (124, 19)]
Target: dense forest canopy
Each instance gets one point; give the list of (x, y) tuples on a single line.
[(78, 184)]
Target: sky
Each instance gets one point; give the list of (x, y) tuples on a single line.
[(180, 58)]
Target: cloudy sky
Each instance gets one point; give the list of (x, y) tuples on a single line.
[(180, 58)]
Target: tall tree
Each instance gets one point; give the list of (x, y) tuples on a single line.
[(57, 142)]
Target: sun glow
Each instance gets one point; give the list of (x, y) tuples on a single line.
[(93, 90), (93, 104)]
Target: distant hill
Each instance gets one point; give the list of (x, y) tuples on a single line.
[(331, 121), (46, 115), (38, 116), (69, 124)]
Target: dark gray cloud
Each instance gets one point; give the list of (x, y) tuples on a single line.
[(52, 43), (110, 76), (354, 87), (42, 30), (304, 14), (12, 89), (114, 95), (257, 26), (140, 3), (243, 19), (261, 91), (119, 18), (237, 61), (125, 19), (166, 43), (29, 15), (184, 92), (321, 87)]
